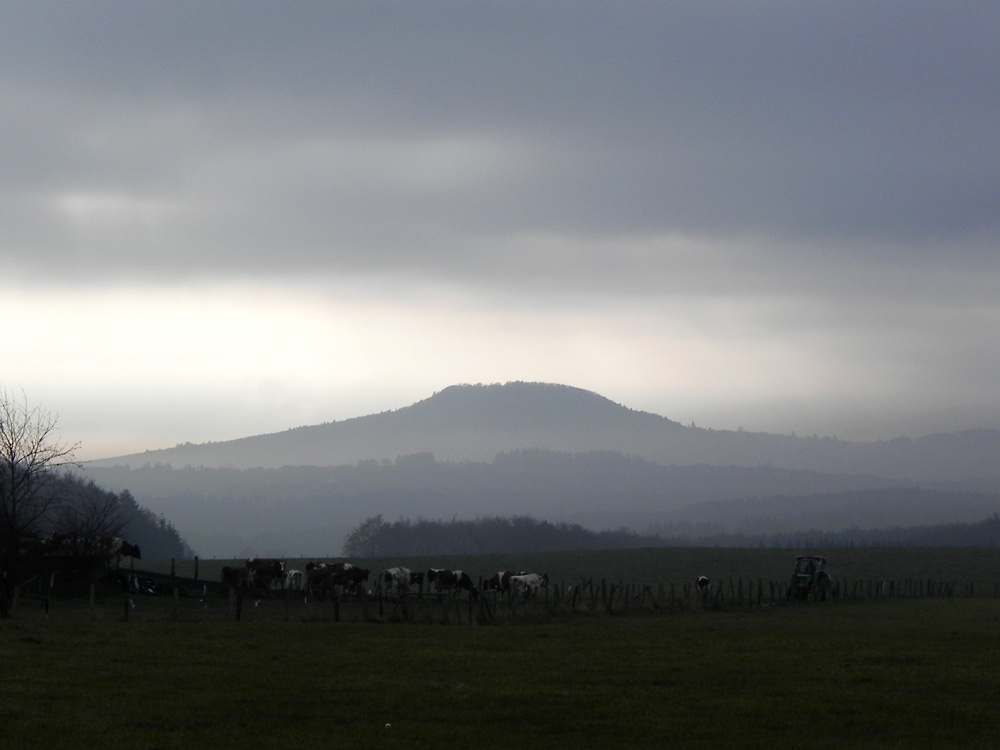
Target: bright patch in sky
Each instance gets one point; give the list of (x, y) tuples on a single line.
[(220, 223)]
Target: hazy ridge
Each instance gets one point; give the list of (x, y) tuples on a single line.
[(476, 422), (553, 452)]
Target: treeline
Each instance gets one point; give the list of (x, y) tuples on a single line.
[(985, 533), (548, 483), (82, 506), (376, 537), (230, 512)]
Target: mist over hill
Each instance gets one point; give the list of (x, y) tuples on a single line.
[(476, 422), (555, 453), (310, 510)]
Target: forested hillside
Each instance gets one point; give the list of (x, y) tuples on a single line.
[(84, 503), (310, 510), (376, 537)]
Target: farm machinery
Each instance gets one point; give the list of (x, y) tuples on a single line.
[(810, 580)]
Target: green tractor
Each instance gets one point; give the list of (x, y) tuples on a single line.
[(811, 581)]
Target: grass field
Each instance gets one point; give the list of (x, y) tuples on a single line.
[(865, 674), (165, 672)]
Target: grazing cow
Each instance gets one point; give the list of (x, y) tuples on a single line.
[(452, 580), (112, 550), (317, 575), (262, 570), (501, 580), (294, 580), (417, 579), (351, 577), (398, 580), (703, 583), (528, 585), (323, 577), (121, 548)]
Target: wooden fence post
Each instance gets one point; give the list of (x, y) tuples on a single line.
[(484, 605)]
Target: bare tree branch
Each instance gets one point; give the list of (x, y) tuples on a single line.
[(29, 458), (90, 520)]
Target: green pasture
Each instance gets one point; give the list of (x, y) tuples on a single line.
[(896, 673)]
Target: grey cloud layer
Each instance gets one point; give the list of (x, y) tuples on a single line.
[(177, 139)]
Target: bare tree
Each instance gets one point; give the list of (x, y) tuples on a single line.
[(29, 457), (89, 518)]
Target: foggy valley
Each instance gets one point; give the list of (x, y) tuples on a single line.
[(554, 453)]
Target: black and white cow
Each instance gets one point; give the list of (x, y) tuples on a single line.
[(295, 580), (350, 577), (500, 581), (528, 585), (265, 571), (316, 577), (121, 548), (323, 578), (113, 549), (453, 581), (398, 580)]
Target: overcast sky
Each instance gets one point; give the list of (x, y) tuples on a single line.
[(221, 219)]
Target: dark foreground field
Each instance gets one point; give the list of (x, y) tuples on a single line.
[(907, 673)]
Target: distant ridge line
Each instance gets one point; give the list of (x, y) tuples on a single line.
[(476, 422)]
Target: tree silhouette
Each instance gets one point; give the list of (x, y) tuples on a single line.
[(29, 454), (364, 540)]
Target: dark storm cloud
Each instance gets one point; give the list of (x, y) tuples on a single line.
[(445, 138)]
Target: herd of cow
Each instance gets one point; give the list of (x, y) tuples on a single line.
[(320, 579), (112, 549)]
